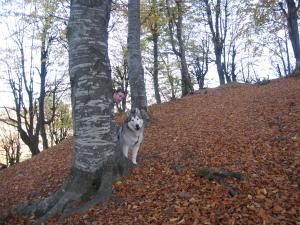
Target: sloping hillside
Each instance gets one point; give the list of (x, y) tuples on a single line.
[(250, 129)]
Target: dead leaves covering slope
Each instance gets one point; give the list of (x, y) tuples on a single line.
[(250, 129)]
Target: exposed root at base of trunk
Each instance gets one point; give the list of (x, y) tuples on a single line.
[(81, 191), (220, 176)]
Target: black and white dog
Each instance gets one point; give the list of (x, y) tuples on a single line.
[(131, 133)]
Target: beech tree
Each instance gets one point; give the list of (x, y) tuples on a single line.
[(10, 144), (135, 67), (200, 64), (27, 69), (217, 21), (175, 18), (97, 159), (279, 55), (153, 21), (61, 126), (25, 118), (275, 16), (291, 16), (170, 88), (48, 34)]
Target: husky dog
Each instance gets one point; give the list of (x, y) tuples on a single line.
[(131, 133)]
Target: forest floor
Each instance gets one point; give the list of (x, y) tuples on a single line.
[(246, 128)]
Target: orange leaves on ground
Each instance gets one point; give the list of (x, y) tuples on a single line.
[(251, 129)]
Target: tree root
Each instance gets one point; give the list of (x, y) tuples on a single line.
[(220, 176), (81, 191)]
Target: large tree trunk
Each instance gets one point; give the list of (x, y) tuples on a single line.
[(97, 159), (135, 68), (91, 85)]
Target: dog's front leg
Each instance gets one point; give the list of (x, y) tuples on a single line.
[(135, 150), (125, 150)]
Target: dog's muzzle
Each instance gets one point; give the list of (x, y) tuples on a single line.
[(137, 127)]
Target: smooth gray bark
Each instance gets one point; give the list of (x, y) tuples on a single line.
[(97, 159), (135, 68), (155, 36), (91, 84)]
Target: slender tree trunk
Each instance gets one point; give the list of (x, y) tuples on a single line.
[(154, 28), (278, 70), (43, 74), (201, 63), (218, 54), (135, 68), (217, 39), (26, 116), (45, 44), (233, 66), (287, 56), (282, 58), (155, 36), (186, 84)]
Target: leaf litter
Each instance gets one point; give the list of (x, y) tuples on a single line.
[(250, 129)]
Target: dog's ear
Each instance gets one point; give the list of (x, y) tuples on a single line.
[(127, 114), (137, 112)]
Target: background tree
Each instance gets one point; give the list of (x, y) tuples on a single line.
[(10, 144), (152, 20), (135, 68), (118, 50), (279, 18), (171, 87), (237, 31), (248, 66), (175, 18), (291, 16), (61, 126), (46, 41), (201, 62), (218, 28), (36, 32), (280, 57), (47, 33), (25, 108)]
